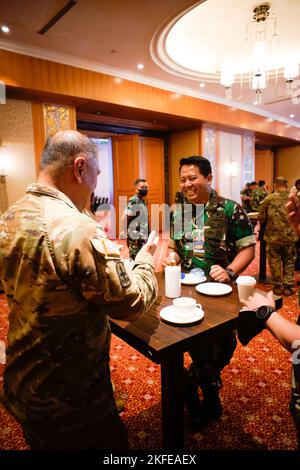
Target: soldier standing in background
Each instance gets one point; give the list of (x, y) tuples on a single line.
[(137, 218), (62, 278), (279, 237)]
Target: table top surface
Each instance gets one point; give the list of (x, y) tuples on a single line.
[(155, 337)]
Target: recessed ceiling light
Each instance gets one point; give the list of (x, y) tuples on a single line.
[(5, 28), (292, 116), (118, 80), (202, 85), (255, 102), (140, 66)]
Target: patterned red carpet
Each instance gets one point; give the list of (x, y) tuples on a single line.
[(255, 393)]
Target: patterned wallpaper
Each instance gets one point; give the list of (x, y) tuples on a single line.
[(16, 132), (248, 161)]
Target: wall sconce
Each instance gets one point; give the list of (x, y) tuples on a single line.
[(233, 168), (3, 166)]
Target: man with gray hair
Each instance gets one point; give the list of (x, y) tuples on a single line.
[(63, 278)]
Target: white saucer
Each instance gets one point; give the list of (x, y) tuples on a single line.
[(214, 288), (167, 314), (191, 279)]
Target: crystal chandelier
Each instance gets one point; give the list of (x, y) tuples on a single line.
[(261, 59)]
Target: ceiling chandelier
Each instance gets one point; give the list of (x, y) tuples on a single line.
[(261, 58)]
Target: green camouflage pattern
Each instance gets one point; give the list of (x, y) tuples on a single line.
[(58, 271), (273, 214), (223, 229), (137, 231), (258, 195), (281, 259)]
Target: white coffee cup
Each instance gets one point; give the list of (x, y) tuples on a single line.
[(185, 307), (246, 287)]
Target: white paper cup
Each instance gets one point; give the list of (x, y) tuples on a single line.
[(246, 287), (185, 307)]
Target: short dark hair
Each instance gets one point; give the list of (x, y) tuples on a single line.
[(261, 183), (139, 180), (201, 162), (297, 182), (253, 183)]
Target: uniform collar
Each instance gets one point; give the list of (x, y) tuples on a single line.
[(39, 189)]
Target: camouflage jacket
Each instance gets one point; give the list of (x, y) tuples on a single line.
[(273, 214), (137, 219), (62, 278), (213, 236), (258, 195)]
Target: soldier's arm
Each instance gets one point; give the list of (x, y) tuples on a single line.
[(262, 210), (92, 265)]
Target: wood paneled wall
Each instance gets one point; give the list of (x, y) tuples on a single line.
[(264, 167), (30, 73)]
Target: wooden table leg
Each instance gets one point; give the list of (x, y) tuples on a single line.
[(172, 391)]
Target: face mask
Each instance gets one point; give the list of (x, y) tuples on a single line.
[(143, 191)]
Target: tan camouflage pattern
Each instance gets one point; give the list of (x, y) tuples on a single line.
[(280, 238), (281, 259), (272, 212), (58, 270)]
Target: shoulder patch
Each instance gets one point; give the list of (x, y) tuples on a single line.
[(122, 274), (105, 247)]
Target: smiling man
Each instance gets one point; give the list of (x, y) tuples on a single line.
[(218, 237)]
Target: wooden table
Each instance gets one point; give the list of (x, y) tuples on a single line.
[(165, 344)]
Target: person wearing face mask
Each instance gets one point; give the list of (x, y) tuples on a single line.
[(137, 218)]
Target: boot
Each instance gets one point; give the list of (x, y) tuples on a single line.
[(210, 408)]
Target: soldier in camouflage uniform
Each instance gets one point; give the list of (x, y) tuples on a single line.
[(137, 218), (219, 239), (280, 238), (259, 194), (63, 278)]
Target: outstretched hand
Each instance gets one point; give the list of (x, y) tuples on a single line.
[(151, 243)]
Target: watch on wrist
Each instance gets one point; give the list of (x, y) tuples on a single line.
[(231, 274), (264, 312)]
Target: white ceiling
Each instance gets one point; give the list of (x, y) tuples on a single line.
[(113, 36)]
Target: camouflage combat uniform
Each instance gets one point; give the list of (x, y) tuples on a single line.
[(280, 238), (226, 231), (63, 278), (258, 195), (137, 224)]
